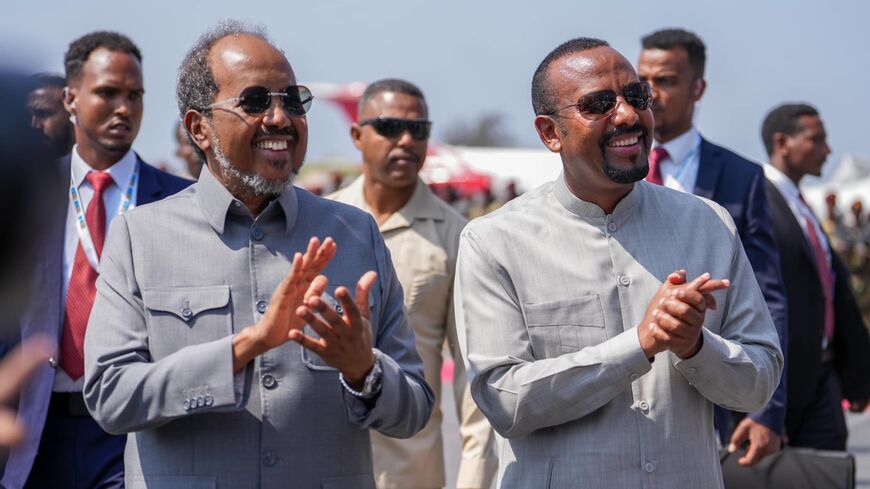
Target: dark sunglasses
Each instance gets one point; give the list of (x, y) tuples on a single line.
[(390, 127), (296, 100), (598, 105)]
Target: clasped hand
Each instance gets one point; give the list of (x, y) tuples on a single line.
[(345, 341), (676, 313)]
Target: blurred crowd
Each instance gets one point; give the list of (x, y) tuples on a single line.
[(849, 234)]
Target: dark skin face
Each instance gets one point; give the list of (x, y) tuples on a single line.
[(676, 89), (239, 62), (391, 162), (620, 142), (804, 152), (49, 116), (106, 100)]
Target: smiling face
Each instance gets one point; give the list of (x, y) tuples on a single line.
[(106, 100), (255, 154), (609, 153), (391, 162)]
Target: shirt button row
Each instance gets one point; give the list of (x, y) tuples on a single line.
[(198, 402)]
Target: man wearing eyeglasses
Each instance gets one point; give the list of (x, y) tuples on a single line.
[(248, 333), (672, 62), (422, 233), (594, 357)]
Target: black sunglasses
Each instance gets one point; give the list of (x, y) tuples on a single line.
[(296, 100), (390, 127), (598, 105)]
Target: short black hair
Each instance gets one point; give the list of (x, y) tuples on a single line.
[(42, 80), (389, 85), (80, 49), (784, 119), (671, 38), (543, 98)]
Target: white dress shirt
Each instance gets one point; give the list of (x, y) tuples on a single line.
[(798, 207), (680, 168), (112, 196)]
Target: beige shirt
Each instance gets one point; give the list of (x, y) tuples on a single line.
[(423, 239)]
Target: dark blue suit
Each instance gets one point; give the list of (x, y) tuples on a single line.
[(56, 463), (738, 185)]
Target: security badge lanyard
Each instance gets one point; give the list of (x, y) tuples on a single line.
[(84, 233)]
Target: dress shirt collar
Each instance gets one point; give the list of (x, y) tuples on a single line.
[(421, 205), (681, 146), (789, 190), (120, 171), (585, 209), (216, 201)]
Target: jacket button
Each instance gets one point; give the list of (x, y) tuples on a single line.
[(262, 306), (268, 459), (269, 382), (649, 467), (257, 234), (186, 312), (209, 400), (624, 280), (187, 404)]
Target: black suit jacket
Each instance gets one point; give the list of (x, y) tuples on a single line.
[(737, 184), (851, 343)]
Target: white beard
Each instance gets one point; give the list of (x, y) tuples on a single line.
[(250, 182)]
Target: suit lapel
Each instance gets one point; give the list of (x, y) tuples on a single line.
[(150, 188), (783, 213), (709, 168)]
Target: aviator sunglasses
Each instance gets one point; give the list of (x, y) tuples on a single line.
[(598, 105), (296, 100), (390, 127)]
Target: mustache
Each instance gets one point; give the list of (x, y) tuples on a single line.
[(622, 131), (277, 131)]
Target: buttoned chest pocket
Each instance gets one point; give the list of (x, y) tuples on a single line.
[(428, 289), (312, 360), (184, 316), (564, 326)]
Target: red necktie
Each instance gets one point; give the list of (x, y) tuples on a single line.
[(655, 169), (826, 278), (82, 282)]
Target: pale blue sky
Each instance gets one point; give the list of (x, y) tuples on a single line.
[(471, 57)]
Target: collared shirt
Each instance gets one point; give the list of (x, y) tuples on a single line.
[(680, 168), (179, 278), (799, 208), (423, 238), (112, 196), (550, 292)]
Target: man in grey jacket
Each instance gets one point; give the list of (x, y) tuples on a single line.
[(586, 349), (220, 381)]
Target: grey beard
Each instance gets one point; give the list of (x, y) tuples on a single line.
[(250, 182)]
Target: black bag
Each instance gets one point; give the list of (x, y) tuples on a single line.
[(792, 468)]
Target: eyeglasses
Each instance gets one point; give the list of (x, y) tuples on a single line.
[(598, 105), (296, 100), (390, 127)]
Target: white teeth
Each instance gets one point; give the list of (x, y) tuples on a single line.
[(625, 141), (273, 145)]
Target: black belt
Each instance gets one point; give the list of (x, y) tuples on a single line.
[(68, 404)]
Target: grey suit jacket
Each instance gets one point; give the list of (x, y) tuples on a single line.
[(549, 295), (178, 278)]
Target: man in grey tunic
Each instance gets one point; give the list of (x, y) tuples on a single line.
[(219, 381), (588, 351)]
